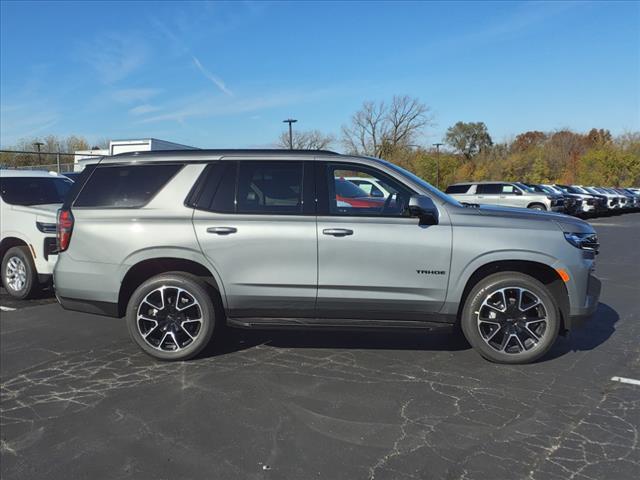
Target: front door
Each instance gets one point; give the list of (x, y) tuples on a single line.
[(375, 262), (256, 225)]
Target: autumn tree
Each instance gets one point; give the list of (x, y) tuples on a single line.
[(468, 138), (526, 140), (379, 129)]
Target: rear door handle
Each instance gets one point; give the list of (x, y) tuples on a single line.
[(222, 230), (337, 232)]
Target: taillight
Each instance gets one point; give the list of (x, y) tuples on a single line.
[(64, 228)]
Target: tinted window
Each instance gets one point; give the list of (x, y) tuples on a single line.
[(124, 186), (346, 198), (457, 189), (34, 190), (489, 188), (270, 187)]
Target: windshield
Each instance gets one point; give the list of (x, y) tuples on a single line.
[(34, 190), (424, 184), (346, 189), (524, 187), (580, 189)]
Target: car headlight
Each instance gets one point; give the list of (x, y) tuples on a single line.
[(583, 241)]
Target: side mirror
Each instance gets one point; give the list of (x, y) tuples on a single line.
[(422, 207), (517, 192)]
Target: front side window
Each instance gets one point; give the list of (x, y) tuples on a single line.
[(369, 187), (508, 189), (347, 198), (34, 190), (270, 187)]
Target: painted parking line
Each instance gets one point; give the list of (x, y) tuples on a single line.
[(630, 381), (6, 309)]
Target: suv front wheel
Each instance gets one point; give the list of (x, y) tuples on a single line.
[(171, 316), (511, 318)]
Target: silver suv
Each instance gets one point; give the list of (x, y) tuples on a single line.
[(182, 243), (508, 194)]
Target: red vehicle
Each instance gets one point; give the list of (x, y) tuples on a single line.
[(353, 196)]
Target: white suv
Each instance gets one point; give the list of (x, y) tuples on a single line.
[(29, 201)]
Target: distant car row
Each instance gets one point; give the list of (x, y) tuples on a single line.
[(574, 200)]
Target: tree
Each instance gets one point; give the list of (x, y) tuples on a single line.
[(468, 138), (379, 129), (309, 140), (527, 140)]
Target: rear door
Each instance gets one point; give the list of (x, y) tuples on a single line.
[(255, 222), (488, 193)]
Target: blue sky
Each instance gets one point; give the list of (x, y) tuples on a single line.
[(226, 74)]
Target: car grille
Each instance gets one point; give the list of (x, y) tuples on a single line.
[(557, 202)]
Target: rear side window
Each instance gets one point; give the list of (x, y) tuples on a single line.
[(34, 190), (457, 189), (485, 188), (125, 186), (270, 187)]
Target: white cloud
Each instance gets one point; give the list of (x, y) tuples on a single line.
[(217, 81), (131, 95), (143, 109), (114, 56)]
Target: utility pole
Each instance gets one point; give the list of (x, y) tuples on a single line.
[(290, 121), (437, 145), (38, 145)]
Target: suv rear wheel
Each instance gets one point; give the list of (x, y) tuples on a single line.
[(19, 274), (171, 316), (511, 318)]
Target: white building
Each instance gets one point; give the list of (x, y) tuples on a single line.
[(85, 157)]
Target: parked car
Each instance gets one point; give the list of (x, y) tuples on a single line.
[(370, 185), (572, 203), (28, 204), (351, 195), (508, 194), (592, 204), (614, 201), (181, 243)]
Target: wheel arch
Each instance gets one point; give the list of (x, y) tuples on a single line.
[(535, 204), (10, 242), (150, 267), (542, 272)]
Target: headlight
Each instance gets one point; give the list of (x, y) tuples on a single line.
[(584, 241)]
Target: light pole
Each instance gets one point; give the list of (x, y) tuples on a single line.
[(290, 121), (38, 145), (437, 145)]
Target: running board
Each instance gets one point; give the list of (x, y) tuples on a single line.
[(335, 324)]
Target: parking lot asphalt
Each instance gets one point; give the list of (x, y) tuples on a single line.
[(79, 400)]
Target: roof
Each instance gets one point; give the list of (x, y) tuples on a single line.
[(11, 172), (489, 182), (197, 155)]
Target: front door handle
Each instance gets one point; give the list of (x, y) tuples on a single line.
[(337, 232), (222, 230)]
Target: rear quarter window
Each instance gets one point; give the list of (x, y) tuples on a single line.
[(457, 189), (124, 186)]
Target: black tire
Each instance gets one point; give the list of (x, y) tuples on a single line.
[(537, 206), (171, 321), (19, 257), (477, 330)]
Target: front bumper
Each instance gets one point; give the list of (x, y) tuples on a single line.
[(585, 311)]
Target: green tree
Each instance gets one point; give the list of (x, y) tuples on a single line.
[(468, 138)]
